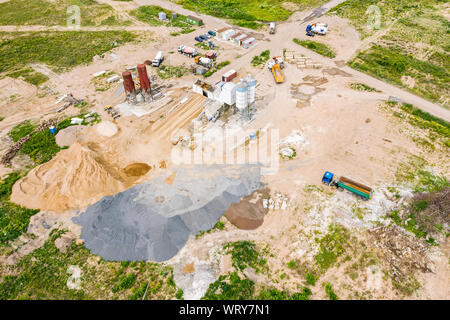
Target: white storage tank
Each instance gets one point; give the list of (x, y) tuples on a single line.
[(251, 85), (241, 95)]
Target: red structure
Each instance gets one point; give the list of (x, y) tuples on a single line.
[(128, 82), (143, 78)]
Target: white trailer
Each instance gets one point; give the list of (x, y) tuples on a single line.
[(159, 58)]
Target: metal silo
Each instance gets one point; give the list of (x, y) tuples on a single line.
[(241, 95)]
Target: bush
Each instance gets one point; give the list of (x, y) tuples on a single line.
[(318, 47), (21, 130), (329, 291)]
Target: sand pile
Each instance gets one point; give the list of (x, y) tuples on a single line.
[(66, 181), (153, 221), (249, 213), (66, 137), (107, 129)]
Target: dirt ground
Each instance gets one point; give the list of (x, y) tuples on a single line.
[(345, 133)]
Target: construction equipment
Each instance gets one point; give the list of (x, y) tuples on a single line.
[(159, 58), (279, 60), (357, 188), (316, 28), (189, 51), (206, 62), (277, 73), (272, 28)]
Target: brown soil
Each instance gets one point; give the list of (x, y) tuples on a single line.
[(189, 268), (136, 169), (249, 213)]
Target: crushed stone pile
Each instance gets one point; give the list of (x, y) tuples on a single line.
[(153, 221)]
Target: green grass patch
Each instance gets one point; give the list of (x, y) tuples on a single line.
[(318, 47), (331, 247), (166, 72), (357, 86), (21, 130), (50, 13), (245, 254), (149, 14), (230, 287), (391, 64), (60, 50), (43, 274), (330, 292), (261, 59), (29, 75)]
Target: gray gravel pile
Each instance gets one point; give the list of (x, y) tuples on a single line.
[(153, 221)]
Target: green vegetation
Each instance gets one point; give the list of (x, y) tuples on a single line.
[(216, 68), (362, 87), (218, 226), (21, 130), (166, 72), (318, 47), (245, 254), (14, 219), (311, 278), (43, 274), (261, 59), (50, 13), (29, 75), (434, 129), (230, 287), (393, 65), (247, 13), (413, 53), (60, 50), (331, 246), (149, 14), (330, 293)]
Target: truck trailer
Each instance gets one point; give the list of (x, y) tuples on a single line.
[(348, 184)]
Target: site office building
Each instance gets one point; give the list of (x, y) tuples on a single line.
[(194, 20)]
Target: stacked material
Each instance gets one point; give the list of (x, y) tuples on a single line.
[(153, 221), (300, 60)]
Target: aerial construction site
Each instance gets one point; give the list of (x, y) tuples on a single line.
[(176, 150)]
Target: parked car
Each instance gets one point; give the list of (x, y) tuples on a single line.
[(203, 37), (212, 33), (198, 39)]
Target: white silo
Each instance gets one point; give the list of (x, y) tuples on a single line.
[(251, 86), (241, 95)]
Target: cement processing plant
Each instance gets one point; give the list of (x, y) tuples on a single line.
[(175, 150)]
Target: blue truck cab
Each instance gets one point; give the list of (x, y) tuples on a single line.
[(327, 177), (308, 28)]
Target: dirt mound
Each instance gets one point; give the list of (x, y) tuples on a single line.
[(249, 213), (107, 129), (66, 137), (66, 181)]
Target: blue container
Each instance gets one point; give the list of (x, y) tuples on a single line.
[(52, 129)]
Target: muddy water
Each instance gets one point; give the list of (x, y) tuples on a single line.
[(136, 169)]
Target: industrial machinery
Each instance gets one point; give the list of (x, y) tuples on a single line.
[(158, 59), (357, 188), (317, 28), (272, 28), (189, 51), (206, 62)]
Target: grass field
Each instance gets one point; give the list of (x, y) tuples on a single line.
[(248, 13), (413, 49), (45, 273), (318, 47), (59, 50), (49, 13), (149, 14)]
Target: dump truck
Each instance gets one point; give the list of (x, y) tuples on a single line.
[(272, 28), (357, 188), (276, 71), (206, 62)]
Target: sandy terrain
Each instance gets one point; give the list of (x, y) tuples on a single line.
[(345, 132)]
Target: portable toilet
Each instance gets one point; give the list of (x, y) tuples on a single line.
[(52, 129)]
